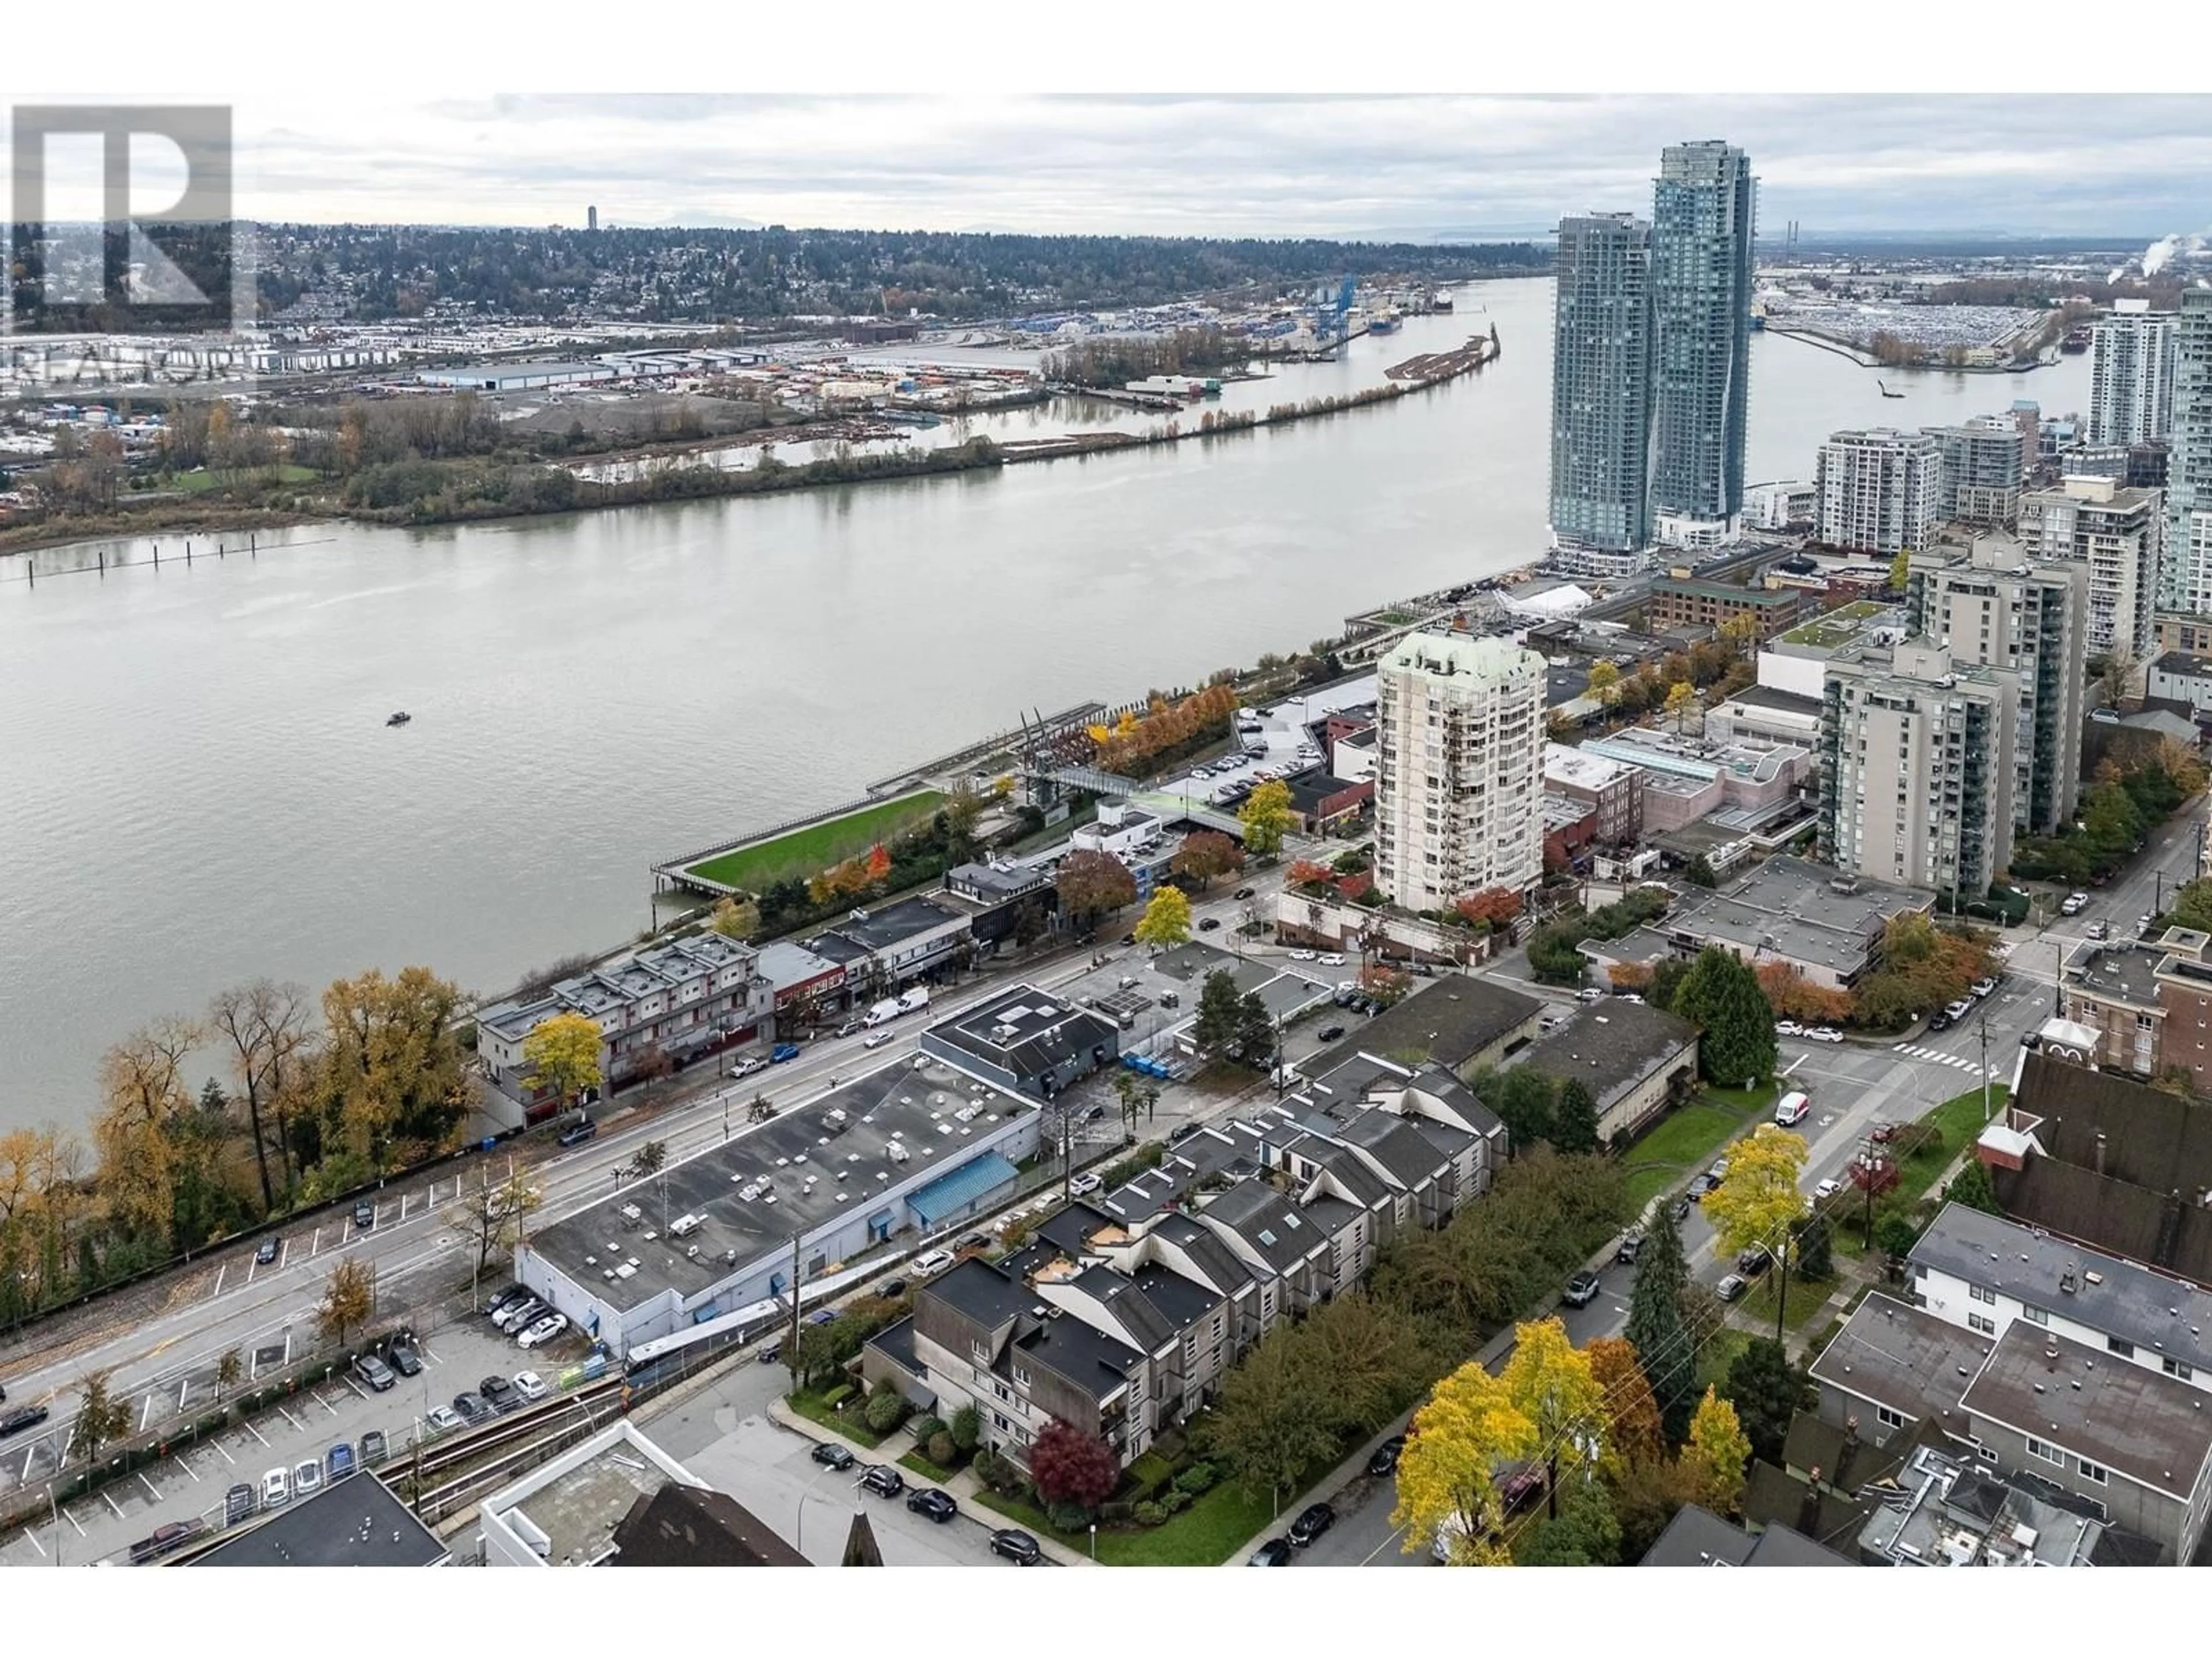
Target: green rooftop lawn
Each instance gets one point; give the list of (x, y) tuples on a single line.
[(807, 851)]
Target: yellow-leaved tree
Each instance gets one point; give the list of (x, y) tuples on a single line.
[(1605, 683), (736, 917), (1759, 1199), (1681, 698), (564, 1056), (1266, 816), (1166, 920), (1716, 1453), (1447, 1485), (1551, 1383)]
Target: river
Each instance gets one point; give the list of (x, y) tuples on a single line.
[(198, 786)]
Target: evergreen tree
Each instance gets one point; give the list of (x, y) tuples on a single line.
[(1814, 1262), (1656, 1329), (1971, 1187), (1524, 1106), (1766, 1391), (1218, 1009), (1720, 996), (1574, 1118)]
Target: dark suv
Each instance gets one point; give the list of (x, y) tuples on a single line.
[(23, 1418), (1313, 1521), (1017, 1545), (882, 1481), (939, 1506), (501, 1394), (579, 1131)]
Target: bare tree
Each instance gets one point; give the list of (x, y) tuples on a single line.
[(269, 1030), (349, 1301), (490, 1218)]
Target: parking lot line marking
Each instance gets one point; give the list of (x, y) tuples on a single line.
[(70, 1517), (318, 1244), (35, 1544), (257, 1434), (189, 1469), (153, 1491), (111, 1503), (225, 1450), (355, 1387), (183, 1392), (402, 1206), (146, 1416), (326, 1405), (286, 1411), (425, 1352)]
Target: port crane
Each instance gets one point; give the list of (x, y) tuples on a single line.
[(1333, 319)]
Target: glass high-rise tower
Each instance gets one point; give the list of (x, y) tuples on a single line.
[(1601, 383), (1702, 212), (2186, 580)]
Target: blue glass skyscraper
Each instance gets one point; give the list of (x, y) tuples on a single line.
[(1702, 212)]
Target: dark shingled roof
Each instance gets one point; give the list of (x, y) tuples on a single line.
[(1450, 1021), (1903, 1358), (2156, 1146), (2148, 1426), (682, 1526), (1696, 1537), (358, 1522)]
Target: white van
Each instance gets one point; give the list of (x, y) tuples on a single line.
[(1791, 1109)]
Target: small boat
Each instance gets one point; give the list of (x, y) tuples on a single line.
[(400, 718), (1885, 392)]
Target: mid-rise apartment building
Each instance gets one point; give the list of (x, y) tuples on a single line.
[(1459, 773), (2187, 584), (1979, 478), (1879, 491), (2131, 374), (1915, 767), (2117, 535), (1601, 383), (1990, 604)]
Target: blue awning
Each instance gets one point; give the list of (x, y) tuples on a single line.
[(953, 1193)]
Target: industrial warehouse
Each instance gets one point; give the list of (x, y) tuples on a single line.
[(915, 1147)]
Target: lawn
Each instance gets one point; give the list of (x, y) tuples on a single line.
[(848, 1424), (1719, 1354), (1684, 1141), (814, 847), (1805, 1302), (1203, 1535), (927, 1470), (1960, 1119)]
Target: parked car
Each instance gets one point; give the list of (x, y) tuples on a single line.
[(579, 1131), (1731, 1286), (373, 1371), (930, 1263), (771, 1350), (1588, 993), (1703, 1184), (1630, 1247), (1719, 1171), (238, 1504), (402, 1357), (939, 1506), (2100, 930), (1829, 1187), (544, 1331), (877, 1039), (1682, 1208), (471, 1408), (307, 1478), (517, 1315), (2075, 904), (1961, 1008), (1823, 1034), (507, 1299), (339, 1463), (530, 1386), (374, 1448), (1313, 1521), (364, 1214), (1017, 1545), (1940, 1021), (1385, 1460), (1207, 924), (1275, 1552), (276, 1489), (1304, 955), (271, 1248), (1582, 1289), (783, 1052), (883, 1479), (1331, 1033), (1627, 996), (1242, 893), (1085, 1184), (1981, 988), (444, 1419), (166, 1540), (1754, 1260), (1788, 1028), (752, 1063), (1332, 960), (23, 1418), (835, 1455)]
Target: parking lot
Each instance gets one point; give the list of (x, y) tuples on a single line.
[(192, 1481)]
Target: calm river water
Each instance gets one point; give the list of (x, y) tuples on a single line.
[(198, 787)]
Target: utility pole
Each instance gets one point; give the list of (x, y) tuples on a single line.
[(791, 1351), (1067, 1157), (1988, 1107)]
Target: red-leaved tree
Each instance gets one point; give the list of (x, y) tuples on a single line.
[(1304, 872), (1496, 905), (1071, 1466)]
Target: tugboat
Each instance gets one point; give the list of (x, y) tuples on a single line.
[(1885, 392), (400, 718)]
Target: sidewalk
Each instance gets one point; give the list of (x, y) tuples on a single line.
[(963, 1485)]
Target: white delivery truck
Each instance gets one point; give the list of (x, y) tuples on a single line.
[(912, 1001), (883, 1012)]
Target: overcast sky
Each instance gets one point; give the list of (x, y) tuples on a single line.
[(1341, 166)]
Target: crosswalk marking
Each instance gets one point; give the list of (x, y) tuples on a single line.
[(1939, 1056)]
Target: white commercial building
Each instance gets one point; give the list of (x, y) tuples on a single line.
[(1460, 775), (1878, 489), (2119, 534), (2132, 384)]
